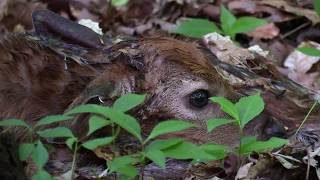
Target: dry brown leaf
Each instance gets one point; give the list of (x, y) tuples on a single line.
[(249, 6), (281, 4), (243, 171), (268, 31)]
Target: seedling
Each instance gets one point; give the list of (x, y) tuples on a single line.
[(241, 113), (230, 25)]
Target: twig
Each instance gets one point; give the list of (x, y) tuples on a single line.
[(295, 30), (306, 117)]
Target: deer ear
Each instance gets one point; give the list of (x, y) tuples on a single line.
[(49, 24)]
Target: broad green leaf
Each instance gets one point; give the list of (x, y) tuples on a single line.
[(196, 28), (249, 107), (227, 19), (187, 150), (40, 155), (217, 151), (88, 108), (226, 106), (128, 101), (316, 4), (41, 175), (184, 150), (25, 150), (130, 171), (259, 146), (125, 121), (309, 51), (70, 141), (123, 165), (13, 122), (160, 144), (97, 122), (216, 122), (52, 119), (55, 132), (118, 3), (157, 157), (247, 24), (248, 139), (93, 144), (244, 142), (168, 127)]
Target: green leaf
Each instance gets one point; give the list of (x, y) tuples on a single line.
[(215, 150), (123, 165), (168, 127), (227, 19), (157, 157), (260, 146), (13, 122), (249, 107), (40, 155), (316, 4), (125, 121), (309, 51), (128, 101), (118, 3), (97, 122), (88, 108), (70, 141), (183, 150), (41, 175), (216, 122), (55, 132), (163, 144), (93, 144), (226, 106), (247, 24), (52, 119), (25, 150), (196, 28), (129, 171)]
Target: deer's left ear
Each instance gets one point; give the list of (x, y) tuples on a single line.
[(49, 24)]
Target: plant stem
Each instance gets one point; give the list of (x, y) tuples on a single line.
[(74, 160), (306, 117), (240, 145)]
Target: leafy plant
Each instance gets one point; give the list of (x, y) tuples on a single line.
[(241, 113), (35, 149), (230, 25), (118, 3), (151, 148), (316, 5), (310, 51)]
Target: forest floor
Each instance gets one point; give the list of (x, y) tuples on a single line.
[(290, 24)]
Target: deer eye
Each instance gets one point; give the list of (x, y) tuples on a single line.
[(199, 98)]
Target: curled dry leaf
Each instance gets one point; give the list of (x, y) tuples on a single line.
[(243, 171), (282, 4), (226, 50), (268, 31), (298, 65), (252, 7)]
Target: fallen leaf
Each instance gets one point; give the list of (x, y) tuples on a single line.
[(268, 31), (281, 4), (243, 171)]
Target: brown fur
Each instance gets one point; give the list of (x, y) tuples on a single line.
[(35, 83)]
